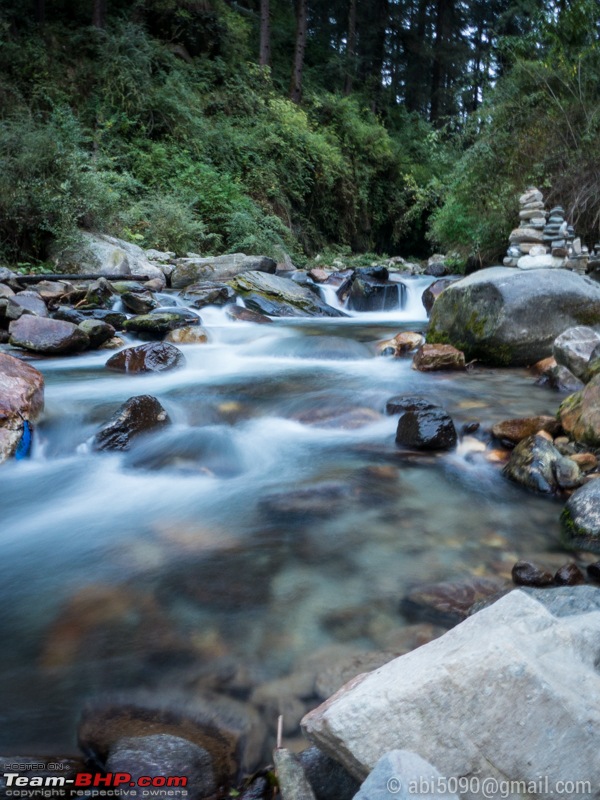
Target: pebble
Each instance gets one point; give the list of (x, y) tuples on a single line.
[(524, 573), (569, 575)]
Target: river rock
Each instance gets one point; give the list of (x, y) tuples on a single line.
[(431, 357), (526, 234), (372, 293), (139, 302), (220, 268), (99, 294), (426, 429), (138, 415), (159, 323), (151, 357), (432, 292), (208, 293), (513, 430), (21, 398), (537, 465), (401, 403), (106, 254), (403, 775), (190, 334), (569, 575), (525, 573), (580, 519), (229, 731), (449, 602), (580, 414), (47, 336), (574, 347), (32, 302), (319, 501), (166, 755), (540, 262), (279, 297), (532, 198), (328, 779), (400, 344), (513, 666), (243, 314), (97, 331), (505, 317), (563, 380), (115, 318), (293, 783)]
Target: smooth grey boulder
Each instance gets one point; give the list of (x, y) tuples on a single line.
[(48, 336), (580, 519), (508, 317), (102, 253), (573, 349), (218, 268), (280, 297), (404, 775), (505, 695)]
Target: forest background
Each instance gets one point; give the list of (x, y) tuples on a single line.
[(263, 126)]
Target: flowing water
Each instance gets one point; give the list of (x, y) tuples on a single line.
[(276, 499)]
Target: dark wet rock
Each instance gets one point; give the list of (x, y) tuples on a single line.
[(229, 731), (436, 269), (163, 754), (259, 788), (114, 318), (449, 602), (293, 783), (208, 293), (470, 427), (99, 294), (574, 347), (138, 415), (279, 297), (537, 465), (247, 315), (401, 403), (139, 302), (159, 322), (68, 314), (563, 380), (580, 414), (328, 779), (220, 268), (190, 334), (372, 291), (432, 292), (426, 429), (320, 500), (21, 399), (593, 571), (206, 451), (580, 519), (524, 573), (514, 430), (31, 302), (97, 331), (431, 357), (151, 357), (47, 336), (569, 575), (503, 316)]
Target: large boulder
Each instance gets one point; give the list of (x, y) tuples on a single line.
[(580, 518), (506, 317), (580, 414), (505, 695), (21, 399), (106, 254), (48, 336), (279, 297), (218, 268)]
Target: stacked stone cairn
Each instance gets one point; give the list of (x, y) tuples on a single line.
[(544, 239)]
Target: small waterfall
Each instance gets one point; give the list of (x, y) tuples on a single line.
[(397, 297)]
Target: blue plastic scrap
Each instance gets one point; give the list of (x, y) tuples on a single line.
[(24, 446)]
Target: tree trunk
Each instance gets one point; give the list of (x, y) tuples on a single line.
[(351, 48), (417, 67), (40, 11), (99, 14), (265, 34), (443, 8), (382, 20), (296, 87)]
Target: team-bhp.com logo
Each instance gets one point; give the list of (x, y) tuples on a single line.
[(89, 780)]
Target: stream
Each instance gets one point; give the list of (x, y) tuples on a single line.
[(275, 505)]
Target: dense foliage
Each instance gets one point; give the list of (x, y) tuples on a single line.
[(416, 123)]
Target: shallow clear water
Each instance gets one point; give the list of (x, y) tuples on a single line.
[(183, 554)]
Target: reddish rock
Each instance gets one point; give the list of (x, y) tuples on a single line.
[(431, 357), (21, 398), (514, 430), (151, 357)]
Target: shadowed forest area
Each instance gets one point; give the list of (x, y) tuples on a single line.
[(388, 126)]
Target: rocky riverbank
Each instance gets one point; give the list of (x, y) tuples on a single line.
[(477, 684)]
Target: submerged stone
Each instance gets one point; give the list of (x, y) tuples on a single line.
[(151, 357), (138, 415)]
